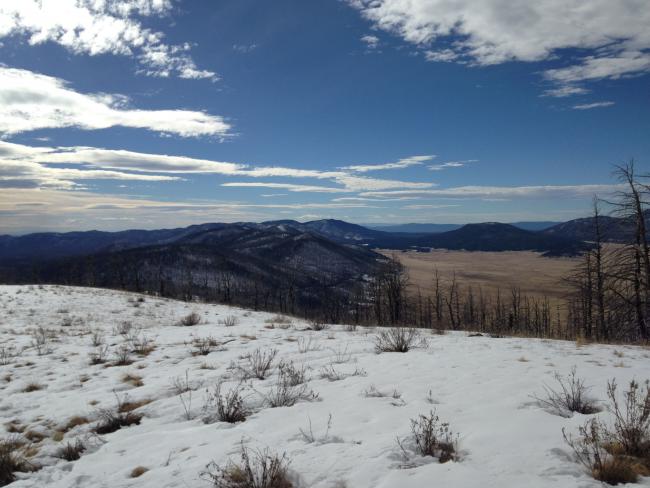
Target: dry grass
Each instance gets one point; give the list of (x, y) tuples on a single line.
[(75, 422), (32, 387), (132, 379), (138, 471), (256, 469), (534, 275)]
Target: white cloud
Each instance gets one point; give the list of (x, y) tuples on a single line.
[(545, 191), (24, 174), (121, 160), (371, 42), (615, 34), (427, 206), (450, 164), (28, 210), (402, 163), (95, 27), (31, 101), (286, 186), (588, 106), (442, 56), (565, 91)]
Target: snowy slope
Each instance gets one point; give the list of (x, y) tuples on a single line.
[(482, 386)]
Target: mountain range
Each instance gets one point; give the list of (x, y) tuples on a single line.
[(282, 261)]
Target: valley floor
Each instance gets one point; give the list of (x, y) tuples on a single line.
[(482, 386)]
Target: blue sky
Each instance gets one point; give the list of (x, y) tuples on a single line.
[(158, 113)]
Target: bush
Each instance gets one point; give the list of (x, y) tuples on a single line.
[(570, 397), (256, 469), (123, 356), (290, 388), (190, 320), (398, 339), (98, 356), (622, 453), (318, 325), (71, 452), (632, 426), (112, 420), (225, 407), (430, 437), (203, 345), (11, 461), (258, 364), (591, 450), (229, 321)]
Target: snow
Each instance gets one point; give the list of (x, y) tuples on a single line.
[(482, 386)]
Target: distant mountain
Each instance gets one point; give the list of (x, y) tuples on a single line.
[(245, 236), (494, 236), (437, 228), (534, 225), (417, 228), (247, 264), (613, 229)]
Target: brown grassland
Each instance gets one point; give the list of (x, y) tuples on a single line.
[(534, 275)]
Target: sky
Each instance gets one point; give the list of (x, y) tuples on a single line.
[(118, 114)]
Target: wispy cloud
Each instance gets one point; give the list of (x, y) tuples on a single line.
[(108, 159), (483, 192), (286, 186), (26, 210), (588, 106), (31, 101), (402, 163), (450, 164), (102, 27)]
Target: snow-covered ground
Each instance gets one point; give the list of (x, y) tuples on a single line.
[(482, 386)]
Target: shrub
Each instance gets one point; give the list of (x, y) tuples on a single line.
[(310, 438), (190, 320), (632, 424), (622, 453), (258, 364), (40, 341), (203, 345), (7, 354), (294, 375), (306, 345), (290, 388), (11, 461), (591, 450), (430, 437), (141, 344), (572, 396), (111, 420), (256, 469), (330, 373), (98, 356), (225, 407), (123, 356), (97, 338), (318, 325), (398, 339), (71, 452), (123, 328), (184, 389), (229, 321)]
